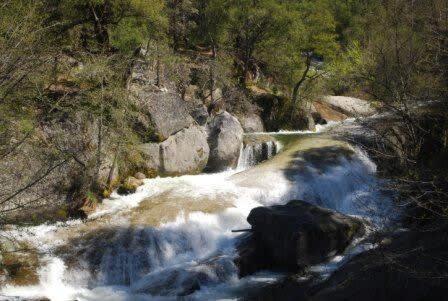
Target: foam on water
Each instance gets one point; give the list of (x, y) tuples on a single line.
[(158, 263)]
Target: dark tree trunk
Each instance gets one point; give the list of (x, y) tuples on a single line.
[(212, 75), (298, 85)]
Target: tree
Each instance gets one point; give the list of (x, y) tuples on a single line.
[(212, 32), (253, 24), (310, 40), (181, 14), (93, 22)]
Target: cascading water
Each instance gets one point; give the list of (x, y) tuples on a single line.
[(173, 237), (254, 153)]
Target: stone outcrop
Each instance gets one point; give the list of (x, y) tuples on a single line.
[(186, 152), (163, 112), (350, 106), (225, 136), (294, 236), (323, 113)]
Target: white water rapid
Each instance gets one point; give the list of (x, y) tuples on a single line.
[(173, 236)]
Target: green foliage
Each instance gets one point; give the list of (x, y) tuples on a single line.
[(344, 70), (128, 35), (98, 24)]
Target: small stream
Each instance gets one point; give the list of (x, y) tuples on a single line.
[(173, 236)]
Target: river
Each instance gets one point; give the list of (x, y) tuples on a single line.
[(173, 236)]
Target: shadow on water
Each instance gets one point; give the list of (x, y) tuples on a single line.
[(317, 160)]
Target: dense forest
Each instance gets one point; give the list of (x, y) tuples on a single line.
[(73, 74)]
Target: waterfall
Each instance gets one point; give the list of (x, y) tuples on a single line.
[(253, 153), (114, 257)]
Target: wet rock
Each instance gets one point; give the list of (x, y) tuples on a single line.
[(407, 267), (318, 119), (225, 136), (294, 236), (83, 207), (129, 185), (184, 281), (256, 149)]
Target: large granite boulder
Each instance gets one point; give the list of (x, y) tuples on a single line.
[(294, 236), (167, 113), (349, 106), (163, 112), (225, 137), (186, 152)]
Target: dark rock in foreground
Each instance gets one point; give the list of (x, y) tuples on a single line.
[(293, 236), (406, 266)]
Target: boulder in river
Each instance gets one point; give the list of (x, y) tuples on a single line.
[(129, 185), (186, 152), (406, 265), (295, 235), (225, 136)]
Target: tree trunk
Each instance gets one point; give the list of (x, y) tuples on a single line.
[(114, 166), (212, 75), (96, 179), (158, 68), (296, 90)]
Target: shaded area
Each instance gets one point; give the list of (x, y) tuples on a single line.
[(407, 266), (319, 159)]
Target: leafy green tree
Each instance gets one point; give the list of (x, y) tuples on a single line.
[(93, 22), (253, 24), (310, 40)]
